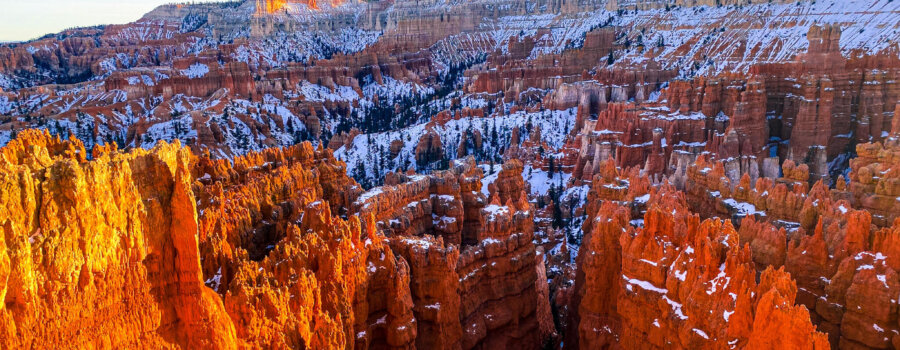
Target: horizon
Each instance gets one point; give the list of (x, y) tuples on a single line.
[(25, 21)]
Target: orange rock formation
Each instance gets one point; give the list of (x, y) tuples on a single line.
[(103, 253), (678, 282), (192, 252)]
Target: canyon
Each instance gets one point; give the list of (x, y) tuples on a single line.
[(442, 174)]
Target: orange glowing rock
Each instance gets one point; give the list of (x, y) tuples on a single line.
[(106, 249), (268, 7)]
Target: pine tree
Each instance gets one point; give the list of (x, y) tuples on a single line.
[(552, 166), (557, 216), (494, 136), (359, 173), (120, 141)]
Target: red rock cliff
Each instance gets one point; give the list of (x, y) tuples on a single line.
[(110, 268)]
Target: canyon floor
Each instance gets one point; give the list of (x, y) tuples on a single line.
[(449, 174)]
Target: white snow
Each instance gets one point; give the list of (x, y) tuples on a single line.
[(644, 285), (649, 262), (196, 70), (552, 124), (392, 90), (541, 181), (701, 333), (215, 281), (494, 211), (681, 275), (720, 282), (742, 208), (676, 307), (318, 93), (363, 198), (756, 33), (883, 280), (489, 241), (727, 314), (642, 199)]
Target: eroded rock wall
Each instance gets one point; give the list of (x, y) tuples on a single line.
[(677, 282), (103, 253)]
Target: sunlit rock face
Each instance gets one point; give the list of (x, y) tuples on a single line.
[(103, 253), (270, 7), (252, 253), (449, 174)]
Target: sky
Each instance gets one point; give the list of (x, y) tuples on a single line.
[(22, 20)]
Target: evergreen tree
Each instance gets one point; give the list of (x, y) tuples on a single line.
[(120, 142), (359, 173), (406, 163), (552, 167), (494, 137), (557, 216)]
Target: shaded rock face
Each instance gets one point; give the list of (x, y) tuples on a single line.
[(289, 272), (873, 182), (515, 73), (223, 65), (727, 103), (812, 110), (434, 205), (429, 149), (477, 284), (75, 55), (659, 4), (678, 282), (837, 244)]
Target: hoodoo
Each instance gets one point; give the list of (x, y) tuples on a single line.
[(423, 174)]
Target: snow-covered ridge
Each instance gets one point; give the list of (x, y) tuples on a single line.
[(769, 32), (197, 70), (277, 49), (365, 149)]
